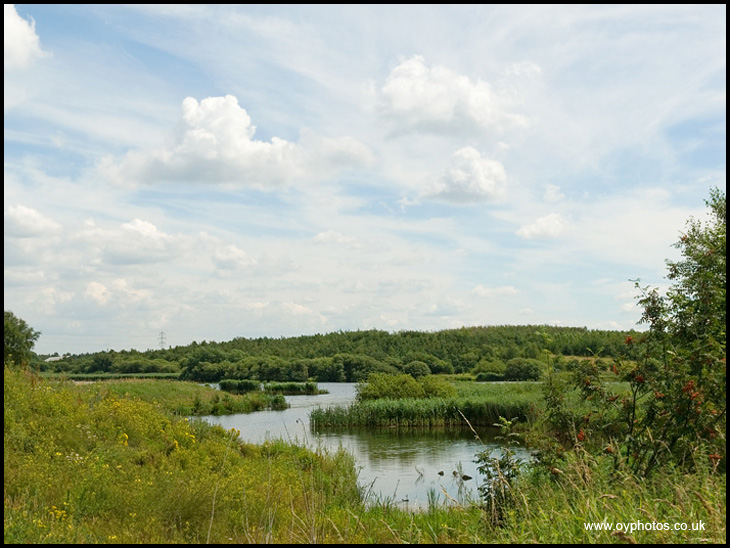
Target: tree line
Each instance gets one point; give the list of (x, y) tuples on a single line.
[(350, 356)]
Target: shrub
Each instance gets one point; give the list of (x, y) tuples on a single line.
[(384, 385), (671, 406), (417, 369), (522, 369), (241, 386), (490, 377), (437, 387), (489, 366)]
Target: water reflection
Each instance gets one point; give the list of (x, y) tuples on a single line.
[(407, 466)]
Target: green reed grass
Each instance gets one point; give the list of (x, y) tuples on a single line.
[(189, 398), (293, 388), (480, 403), (422, 412), (239, 386), (95, 466)]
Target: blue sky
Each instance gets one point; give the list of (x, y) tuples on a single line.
[(219, 171)]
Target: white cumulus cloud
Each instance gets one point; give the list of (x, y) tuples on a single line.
[(98, 292), (133, 243), (26, 222), (231, 257), (549, 226), (417, 97), (214, 143), (22, 45), (470, 178)]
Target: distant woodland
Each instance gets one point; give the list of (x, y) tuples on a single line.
[(350, 356)]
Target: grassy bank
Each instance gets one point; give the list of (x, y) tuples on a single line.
[(187, 398), (94, 466), (106, 376), (98, 466)]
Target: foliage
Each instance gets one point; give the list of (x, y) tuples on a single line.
[(480, 404), (19, 340), (383, 385), (489, 365), (670, 405), (85, 466), (435, 386), (293, 388), (352, 356), (522, 369), (490, 377), (417, 369), (239, 386), (498, 490), (678, 386), (186, 398)]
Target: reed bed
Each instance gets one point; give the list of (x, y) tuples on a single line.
[(87, 466), (239, 386), (293, 388), (423, 412), (245, 386)]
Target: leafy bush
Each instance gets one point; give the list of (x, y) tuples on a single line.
[(437, 387), (417, 369), (670, 407), (239, 386), (490, 377), (384, 385), (522, 369), (486, 365)]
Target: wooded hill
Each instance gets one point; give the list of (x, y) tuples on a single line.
[(352, 355)]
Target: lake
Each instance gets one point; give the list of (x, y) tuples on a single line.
[(397, 464)]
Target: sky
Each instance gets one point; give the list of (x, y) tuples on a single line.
[(205, 172)]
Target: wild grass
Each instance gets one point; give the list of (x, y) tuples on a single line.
[(96, 466), (481, 404), (421, 412), (106, 376), (93, 466), (188, 398), (239, 386), (293, 388), (244, 386)]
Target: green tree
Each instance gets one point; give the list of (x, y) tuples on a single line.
[(19, 340), (522, 369), (417, 369), (675, 408), (102, 363), (682, 369)]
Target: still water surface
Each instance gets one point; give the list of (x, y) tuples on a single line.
[(400, 465)]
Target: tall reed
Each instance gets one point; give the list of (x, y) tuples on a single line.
[(422, 412)]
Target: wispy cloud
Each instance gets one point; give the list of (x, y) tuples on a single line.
[(243, 170)]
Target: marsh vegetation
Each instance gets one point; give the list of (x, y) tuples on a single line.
[(620, 434)]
